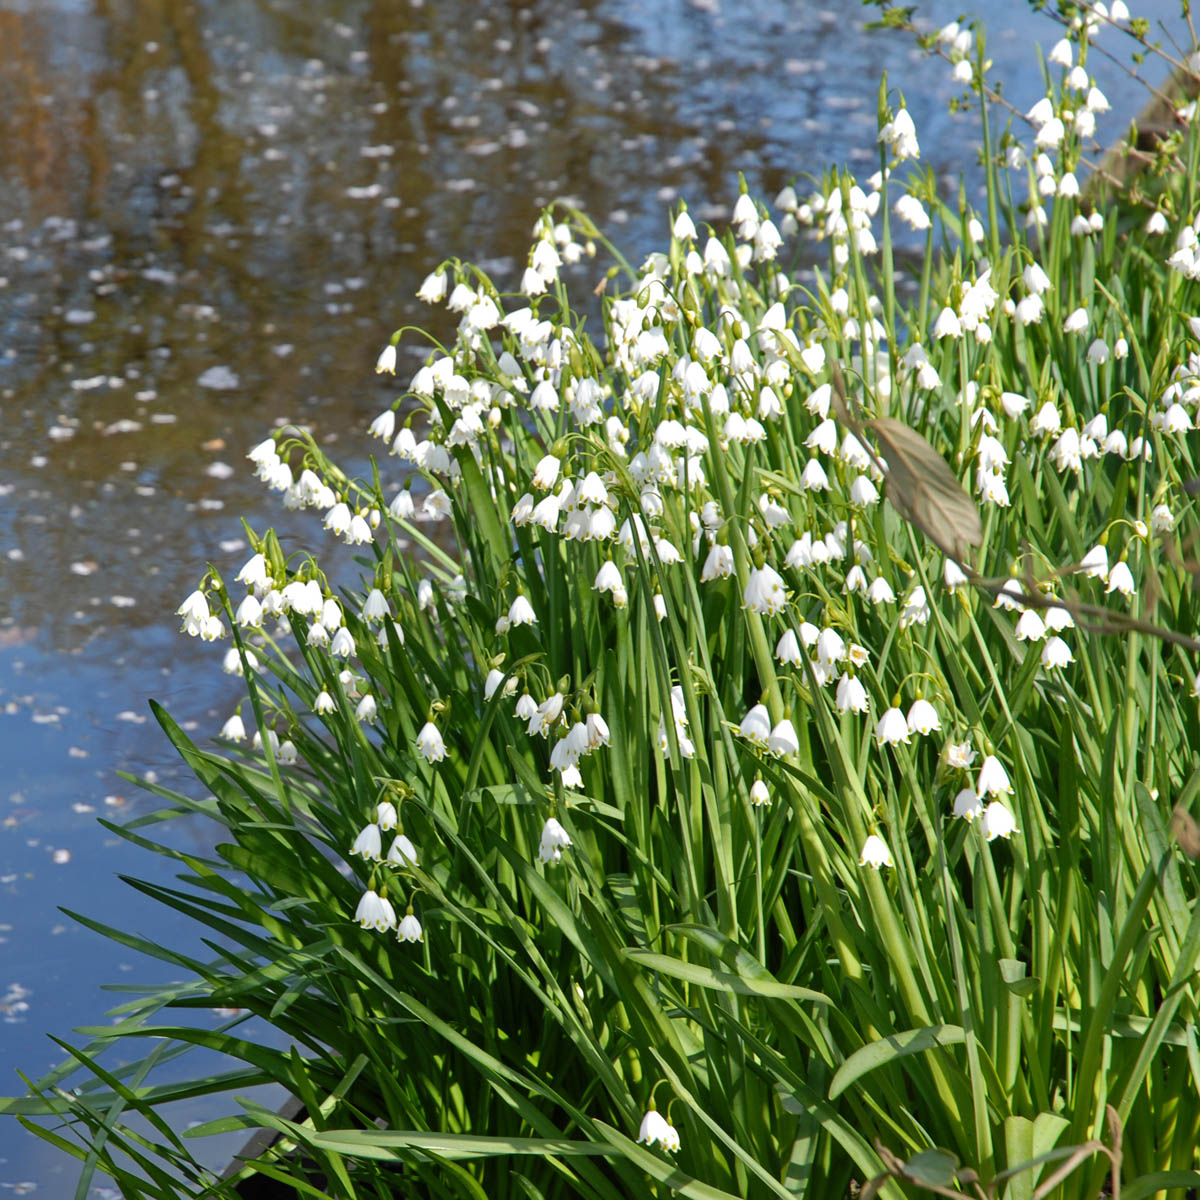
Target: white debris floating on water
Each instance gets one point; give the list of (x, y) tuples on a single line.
[(220, 379)]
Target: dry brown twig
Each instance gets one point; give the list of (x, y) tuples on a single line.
[(928, 495)]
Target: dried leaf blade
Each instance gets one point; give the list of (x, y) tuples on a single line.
[(925, 491)]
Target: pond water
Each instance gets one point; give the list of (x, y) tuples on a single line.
[(212, 216)]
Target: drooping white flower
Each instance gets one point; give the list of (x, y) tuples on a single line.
[(545, 474), (254, 573), (800, 552), (1066, 453), (384, 425), (1174, 420), (1058, 618), (997, 821), (901, 135), (337, 519), (402, 853), (718, 564), (656, 1129), (1046, 420), (433, 288), (1162, 520), (546, 714), (430, 743), (856, 580), (272, 737), (1120, 579), (521, 612), (1094, 564), (1076, 322), (522, 511), (367, 709), (787, 649), (532, 282), (824, 673), (953, 576), (831, 646), (967, 804), (409, 929), (1056, 653), (385, 364), (1062, 53), (765, 592), (546, 513), (375, 912), (265, 451), (783, 740), (851, 695), (912, 212), (922, 717), (947, 325), (745, 217), (234, 730), (891, 728), (437, 505), (1050, 135), (461, 298), (331, 614), (684, 228), (916, 610), (991, 452), (863, 492), (544, 398), (494, 679), (1030, 627), (1036, 280), (880, 591), (608, 578), (597, 731), (387, 630), (824, 437), (993, 778), (249, 613), (813, 478), (555, 840), (359, 532), (368, 843), (756, 726), (375, 607), (402, 506), (195, 613), (1029, 310), (875, 853)]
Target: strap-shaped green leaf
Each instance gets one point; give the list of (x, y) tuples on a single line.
[(889, 1049)]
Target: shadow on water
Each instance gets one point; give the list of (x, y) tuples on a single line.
[(212, 214)]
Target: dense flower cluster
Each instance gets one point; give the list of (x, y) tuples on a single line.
[(697, 463)]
